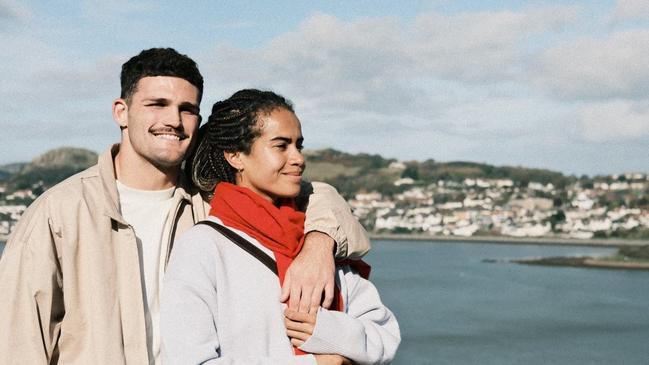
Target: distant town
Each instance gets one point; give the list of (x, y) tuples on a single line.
[(427, 198), (612, 207)]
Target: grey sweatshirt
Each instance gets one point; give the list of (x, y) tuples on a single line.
[(220, 305)]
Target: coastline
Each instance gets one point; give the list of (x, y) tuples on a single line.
[(542, 241), (586, 262)]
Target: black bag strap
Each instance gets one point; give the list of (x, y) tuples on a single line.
[(244, 244)]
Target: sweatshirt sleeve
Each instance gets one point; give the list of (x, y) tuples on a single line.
[(31, 303), (189, 309), (366, 333), (329, 213)]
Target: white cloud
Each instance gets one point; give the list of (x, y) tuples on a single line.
[(615, 120), (597, 68), (99, 9), (11, 10), (478, 47), (50, 98), (414, 71), (630, 10)]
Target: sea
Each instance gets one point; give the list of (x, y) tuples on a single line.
[(466, 303)]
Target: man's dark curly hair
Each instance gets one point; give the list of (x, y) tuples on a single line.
[(158, 62), (233, 126)]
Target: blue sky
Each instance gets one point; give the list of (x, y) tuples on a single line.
[(562, 85)]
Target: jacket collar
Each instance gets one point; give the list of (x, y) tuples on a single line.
[(106, 167)]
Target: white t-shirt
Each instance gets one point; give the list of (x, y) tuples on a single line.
[(147, 212)]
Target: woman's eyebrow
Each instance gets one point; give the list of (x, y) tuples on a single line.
[(280, 138)]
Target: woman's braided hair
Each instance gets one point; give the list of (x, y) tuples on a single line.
[(233, 126)]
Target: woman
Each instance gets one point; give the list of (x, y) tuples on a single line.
[(220, 302)]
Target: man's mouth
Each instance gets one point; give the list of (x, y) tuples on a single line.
[(169, 136)]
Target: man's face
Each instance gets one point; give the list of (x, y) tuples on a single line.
[(161, 118)]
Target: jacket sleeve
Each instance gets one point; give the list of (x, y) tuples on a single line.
[(31, 303), (189, 307), (366, 333), (329, 213)]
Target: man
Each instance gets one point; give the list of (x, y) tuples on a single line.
[(80, 276)]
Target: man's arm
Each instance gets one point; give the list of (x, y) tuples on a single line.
[(329, 225), (329, 213), (31, 303)]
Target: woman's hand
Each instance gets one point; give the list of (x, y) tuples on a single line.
[(311, 273), (299, 326), (331, 360)]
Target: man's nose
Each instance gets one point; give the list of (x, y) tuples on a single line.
[(173, 118)]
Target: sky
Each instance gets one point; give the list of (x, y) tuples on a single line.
[(562, 85)]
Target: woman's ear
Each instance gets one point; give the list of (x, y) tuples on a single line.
[(234, 159)]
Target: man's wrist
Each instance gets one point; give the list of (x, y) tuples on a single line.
[(324, 240)]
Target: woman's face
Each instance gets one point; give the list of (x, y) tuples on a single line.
[(274, 166)]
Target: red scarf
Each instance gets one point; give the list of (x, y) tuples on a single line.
[(278, 228)]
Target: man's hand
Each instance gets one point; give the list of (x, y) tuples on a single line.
[(311, 273), (299, 326)]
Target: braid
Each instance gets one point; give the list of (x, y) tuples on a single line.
[(233, 126)]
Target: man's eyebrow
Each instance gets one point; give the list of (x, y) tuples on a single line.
[(190, 106), (159, 100)]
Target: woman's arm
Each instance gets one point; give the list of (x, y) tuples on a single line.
[(189, 309)]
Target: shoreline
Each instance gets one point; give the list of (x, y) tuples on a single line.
[(541, 241), (585, 262)]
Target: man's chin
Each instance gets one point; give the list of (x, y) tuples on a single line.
[(167, 164)]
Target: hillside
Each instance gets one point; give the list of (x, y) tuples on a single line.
[(9, 169), (364, 172), (50, 168)]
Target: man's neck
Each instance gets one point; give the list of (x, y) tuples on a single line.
[(138, 173)]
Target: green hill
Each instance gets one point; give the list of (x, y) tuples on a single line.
[(458, 171), (51, 167), (9, 169), (364, 172)]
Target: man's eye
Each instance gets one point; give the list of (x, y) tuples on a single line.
[(281, 146), (190, 111)]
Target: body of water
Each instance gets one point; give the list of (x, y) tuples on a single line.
[(454, 308)]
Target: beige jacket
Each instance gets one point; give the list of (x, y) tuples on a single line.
[(70, 290)]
